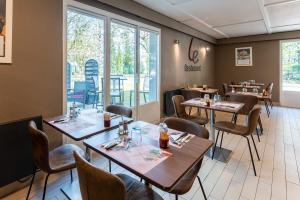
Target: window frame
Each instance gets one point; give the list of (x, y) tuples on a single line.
[(108, 17)]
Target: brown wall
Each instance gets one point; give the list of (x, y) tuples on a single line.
[(174, 57), (265, 69), (31, 85)]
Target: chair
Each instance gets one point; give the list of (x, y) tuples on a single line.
[(249, 102), (191, 94), (244, 131), (95, 93), (50, 162), (269, 90), (181, 113), (225, 91), (115, 89), (91, 70), (120, 110), (98, 184), (186, 182), (78, 94)]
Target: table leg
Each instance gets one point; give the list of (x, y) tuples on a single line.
[(221, 154), (72, 190)]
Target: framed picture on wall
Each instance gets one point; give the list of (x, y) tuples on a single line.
[(243, 56), (6, 13)]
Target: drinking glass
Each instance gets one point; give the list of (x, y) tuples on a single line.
[(136, 135)]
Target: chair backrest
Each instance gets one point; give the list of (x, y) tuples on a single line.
[(120, 110), (184, 125), (269, 88), (69, 74), (80, 87), (249, 102), (253, 118), (178, 108), (91, 70), (115, 83), (96, 82), (98, 184), (224, 88), (40, 147)]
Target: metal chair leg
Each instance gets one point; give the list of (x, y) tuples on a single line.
[(31, 183), (203, 192), (251, 155), (255, 147), (257, 134), (271, 103), (267, 108), (221, 140), (45, 186), (260, 125), (215, 145), (71, 173), (109, 166)]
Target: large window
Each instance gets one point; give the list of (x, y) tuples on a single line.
[(126, 74), (290, 65)]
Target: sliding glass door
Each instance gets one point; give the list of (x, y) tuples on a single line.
[(122, 63), (290, 73), (148, 75), (111, 60)]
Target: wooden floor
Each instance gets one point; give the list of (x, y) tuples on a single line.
[(278, 171)]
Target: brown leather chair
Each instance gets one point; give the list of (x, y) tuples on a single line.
[(225, 91), (186, 182), (98, 184), (249, 102), (181, 113), (50, 162), (120, 110), (244, 131)]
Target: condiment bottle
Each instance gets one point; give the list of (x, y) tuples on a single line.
[(164, 136), (106, 120)]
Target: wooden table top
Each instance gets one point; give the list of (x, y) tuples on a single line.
[(87, 124), (222, 106), (258, 95), (201, 90), (163, 174), (245, 86), (255, 84)]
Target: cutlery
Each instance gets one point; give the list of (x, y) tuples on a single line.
[(182, 136)]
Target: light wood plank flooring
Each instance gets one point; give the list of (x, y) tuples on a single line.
[(278, 171)]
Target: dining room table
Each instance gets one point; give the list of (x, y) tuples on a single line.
[(210, 91), (261, 97), (140, 154), (240, 86), (255, 84), (87, 124), (223, 154)]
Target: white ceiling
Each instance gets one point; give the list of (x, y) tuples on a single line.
[(231, 18)]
